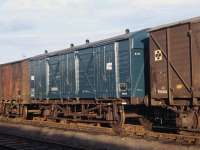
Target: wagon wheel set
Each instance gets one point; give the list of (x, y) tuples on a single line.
[(113, 115), (109, 115), (13, 110)]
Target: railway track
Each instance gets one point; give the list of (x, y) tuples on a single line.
[(140, 131), (13, 142), (18, 142), (136, 131)]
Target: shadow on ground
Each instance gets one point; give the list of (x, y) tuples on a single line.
[(88, 141)]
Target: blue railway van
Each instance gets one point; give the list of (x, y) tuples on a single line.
[(109, 69)]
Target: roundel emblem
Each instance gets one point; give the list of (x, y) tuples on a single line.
[(158, 55)]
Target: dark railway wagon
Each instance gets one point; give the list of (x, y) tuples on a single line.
[(108, 69), (91, 82), (175, 62), (14, 81), (174, 69)]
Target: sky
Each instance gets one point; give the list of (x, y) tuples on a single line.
[(29, 27)]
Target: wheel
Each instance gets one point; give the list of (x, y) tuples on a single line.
[(45, 114), (7, 110), (119, 119), (1, 108), (187, 120), (146, 123), (25, 112)]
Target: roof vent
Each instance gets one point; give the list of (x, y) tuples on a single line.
[(127, 31), (71, 45), (46, 51), (87, 41)]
